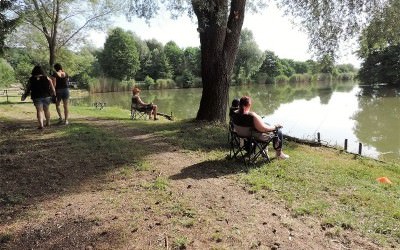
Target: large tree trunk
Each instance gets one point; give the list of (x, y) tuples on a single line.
[(219, 39)]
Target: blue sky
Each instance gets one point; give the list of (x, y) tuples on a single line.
[(270, 29)]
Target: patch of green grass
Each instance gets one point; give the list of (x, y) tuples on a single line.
[(187, 222), (106, 113), (180, 242), (334, 187), (217, 236), (161, 183)]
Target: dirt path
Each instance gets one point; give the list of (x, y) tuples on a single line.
[(237, 218), (202, 207)]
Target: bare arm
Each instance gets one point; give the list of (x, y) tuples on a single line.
[(53, 90), (260, 125), (53, 81)]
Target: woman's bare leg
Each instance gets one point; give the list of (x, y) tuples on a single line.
[(155, 112), (66, 109), (39, 115), (47, 114), (58, 102)]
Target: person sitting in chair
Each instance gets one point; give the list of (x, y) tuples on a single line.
[(234, 107), (142, 106), (262, 127)]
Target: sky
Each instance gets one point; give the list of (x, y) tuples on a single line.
[(271, 31)]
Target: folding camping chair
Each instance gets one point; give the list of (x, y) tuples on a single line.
[(138, 112), (246, 142)]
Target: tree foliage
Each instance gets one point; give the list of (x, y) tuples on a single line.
[(120, 57), (175, 57), (382, 31), (7, 75), (62, 22), (7, 24), (248, 59), (381, 66), (380, 46)]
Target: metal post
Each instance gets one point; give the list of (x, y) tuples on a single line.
[(345, 144), (359, 148), (6, 91), (319, 137)]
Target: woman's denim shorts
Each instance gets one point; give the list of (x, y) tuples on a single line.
[(62, 94), (43, 101)]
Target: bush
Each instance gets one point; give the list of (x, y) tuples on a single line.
[(107, 84), (281, 79), (346, 76), (165, 83), (148, 82), (300, 78), (324, 77), (187, 80), (7, 75), (197, 82)]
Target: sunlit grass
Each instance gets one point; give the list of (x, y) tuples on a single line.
[(337, 188), (340, 189)]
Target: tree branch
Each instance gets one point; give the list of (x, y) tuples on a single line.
[(83, 27)]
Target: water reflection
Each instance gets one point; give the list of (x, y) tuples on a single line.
[(338, 110), (378, 119)]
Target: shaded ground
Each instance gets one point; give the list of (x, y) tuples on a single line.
[(100, 184)]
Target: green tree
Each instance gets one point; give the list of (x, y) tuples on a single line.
[(157, 66), (120, 57), (192, 60), (220, 23), (381, 66), (175, 57), (7, 75), (144, 56), (62, 23), (300, 67), (382, 31), (287, 67), (379, 46), (249, 57), (326, 64), (7, 24), (271, 64)]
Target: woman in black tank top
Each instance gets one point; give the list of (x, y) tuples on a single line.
[(60, 81), (41, 89)]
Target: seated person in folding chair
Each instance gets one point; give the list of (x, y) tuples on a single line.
[(234, 107), (142, 106), (262, 127)]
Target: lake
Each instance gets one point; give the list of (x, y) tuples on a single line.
[(336, 110)]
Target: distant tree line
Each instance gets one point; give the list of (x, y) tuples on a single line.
[(126, 60)]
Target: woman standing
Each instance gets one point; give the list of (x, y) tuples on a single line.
[(41, 89), (60, 81)]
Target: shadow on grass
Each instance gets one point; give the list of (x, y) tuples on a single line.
[(215, 169), (38, 165)]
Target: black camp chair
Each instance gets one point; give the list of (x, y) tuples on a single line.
[(246, 142), (138, 112)]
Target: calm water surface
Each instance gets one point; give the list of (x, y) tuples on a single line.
[(338, 111)]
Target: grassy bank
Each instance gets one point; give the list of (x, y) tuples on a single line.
[(337, 191)]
